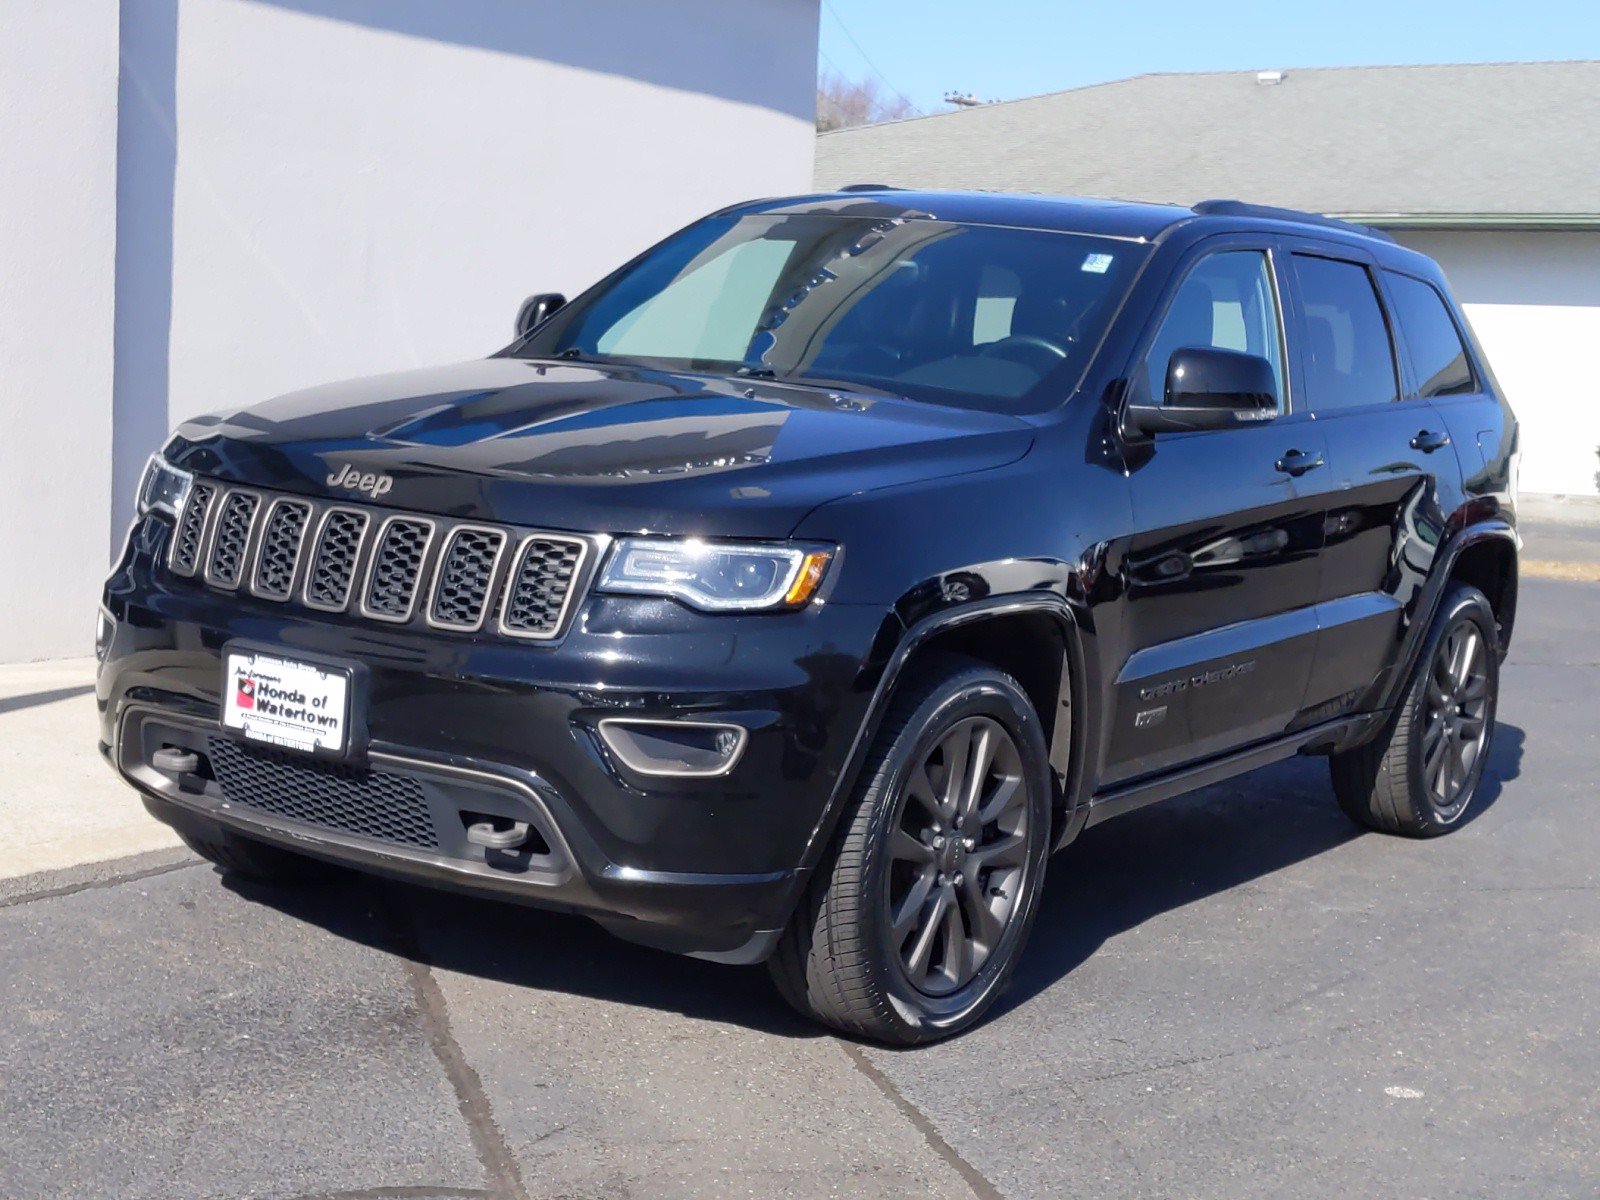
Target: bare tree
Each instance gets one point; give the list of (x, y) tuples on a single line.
[(844, 102)]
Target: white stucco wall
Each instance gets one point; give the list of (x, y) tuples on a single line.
[(275, 193), (58, 129), (357, 195), (1534, 301)]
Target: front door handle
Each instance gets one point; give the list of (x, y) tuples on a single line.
[(1298, 462), (1429, 440)]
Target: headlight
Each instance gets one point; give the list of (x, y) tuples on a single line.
[(717, 576), (164, 488)]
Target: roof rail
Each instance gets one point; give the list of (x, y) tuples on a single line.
[(1266, 212), (870, 187)]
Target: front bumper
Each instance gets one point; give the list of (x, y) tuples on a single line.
[(476, 727)]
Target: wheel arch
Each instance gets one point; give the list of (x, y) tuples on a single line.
[(1483, 553), (1005, 631), (1489, 563)]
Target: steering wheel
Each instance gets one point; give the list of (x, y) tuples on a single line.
[(1029, 349)]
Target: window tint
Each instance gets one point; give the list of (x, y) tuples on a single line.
[(1344, 341), (1438, 357), (1226, 301), (969, 315), (707, 311)]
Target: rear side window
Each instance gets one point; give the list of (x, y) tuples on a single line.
[(1344, 340), (1433, 344)]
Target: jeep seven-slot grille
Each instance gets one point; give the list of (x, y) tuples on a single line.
[(466, 567), (334, 558), (396, 568), (373, 804), (191, 530), (381, 565), (231, 541), (537, 596), (280, 548)]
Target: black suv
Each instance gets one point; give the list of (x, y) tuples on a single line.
[(792, 593)]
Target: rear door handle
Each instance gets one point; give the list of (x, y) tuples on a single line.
[(1429, 440), (1298, 462)]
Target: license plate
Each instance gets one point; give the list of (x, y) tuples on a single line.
[(286, 703)]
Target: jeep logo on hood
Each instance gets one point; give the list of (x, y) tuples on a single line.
[(372, 483)]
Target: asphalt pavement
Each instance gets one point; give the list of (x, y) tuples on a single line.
[(1229, 995)]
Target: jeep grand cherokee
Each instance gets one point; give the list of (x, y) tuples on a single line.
[(794, 592)]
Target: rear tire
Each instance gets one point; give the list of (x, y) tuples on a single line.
[(1419, 775), (257, 861), (917, 916)]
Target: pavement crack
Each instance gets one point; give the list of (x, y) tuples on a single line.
[(89, 885), (500, 1168), (974, 1179)]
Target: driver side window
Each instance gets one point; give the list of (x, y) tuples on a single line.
[(1227, 301)]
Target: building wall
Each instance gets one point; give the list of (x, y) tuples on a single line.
[(1534, 302), (308, 190), (58, 130)]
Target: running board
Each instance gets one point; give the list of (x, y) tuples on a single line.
[(1125, 798)]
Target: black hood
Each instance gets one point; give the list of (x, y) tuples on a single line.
[(597, 448)]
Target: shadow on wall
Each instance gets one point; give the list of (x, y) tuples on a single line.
[(544, 29), (658, 49), (147, 157)]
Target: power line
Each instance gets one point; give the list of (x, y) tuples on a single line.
[(865, 57)]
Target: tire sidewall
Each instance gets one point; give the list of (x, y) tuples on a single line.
[(975, 692), (1469, 604)]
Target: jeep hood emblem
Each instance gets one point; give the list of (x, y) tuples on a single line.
[(370, 482)]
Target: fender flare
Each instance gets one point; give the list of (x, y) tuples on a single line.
[(1066, 761), (1432, 596)]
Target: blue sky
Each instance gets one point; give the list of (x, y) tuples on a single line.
[(1002, 49)]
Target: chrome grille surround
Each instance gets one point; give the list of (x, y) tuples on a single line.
[(462, 594), (190, 535), (283, 536), (387, 565), (543, 563), (230, 538), (335, 554), (395, 576)]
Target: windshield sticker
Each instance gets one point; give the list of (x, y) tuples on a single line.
[(1097, 264)]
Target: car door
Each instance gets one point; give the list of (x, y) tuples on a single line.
[(1221, 569), (1386, 447)]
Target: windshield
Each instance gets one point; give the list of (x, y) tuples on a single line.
[(972, 315)]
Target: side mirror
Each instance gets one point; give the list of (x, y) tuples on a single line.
[(535, 309), (1208, 388)]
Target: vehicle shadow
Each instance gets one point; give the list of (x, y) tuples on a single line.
[(1123, 873), (1115, 877)]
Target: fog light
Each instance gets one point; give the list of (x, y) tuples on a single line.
[(680, 748)]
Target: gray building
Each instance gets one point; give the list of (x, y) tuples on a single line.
[(1494, 170)]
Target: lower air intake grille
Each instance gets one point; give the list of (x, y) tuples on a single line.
[(186, 541), (461, 592), (232, 539), (372, 804), (397, 568), (541, 580), (280, 549), (333, 559)]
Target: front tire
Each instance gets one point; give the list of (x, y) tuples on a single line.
[(915, 921), (1419, 775)]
